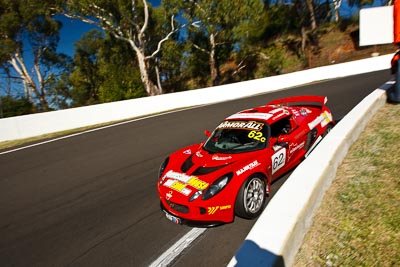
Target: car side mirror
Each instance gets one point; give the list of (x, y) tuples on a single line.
[(207, 133), (283, 139)]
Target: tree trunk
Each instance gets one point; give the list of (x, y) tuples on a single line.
[(213, 62), (336, 4), (30, 86), (150, 87), (303, 39), (310, 5)]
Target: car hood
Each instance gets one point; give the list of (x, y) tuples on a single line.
[(197, 158), (195, 161), (192, 169)]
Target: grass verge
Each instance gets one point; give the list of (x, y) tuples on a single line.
[(358, 222)]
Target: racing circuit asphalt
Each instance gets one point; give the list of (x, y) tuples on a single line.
[(91, 199)]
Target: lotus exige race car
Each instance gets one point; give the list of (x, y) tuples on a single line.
[(231, 173)]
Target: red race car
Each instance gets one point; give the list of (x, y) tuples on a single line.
[(231, 173)]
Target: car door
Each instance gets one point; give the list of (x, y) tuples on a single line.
[(280, 143)]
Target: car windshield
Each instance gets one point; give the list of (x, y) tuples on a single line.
[(237, 137)]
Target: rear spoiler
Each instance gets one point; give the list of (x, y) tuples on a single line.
[(300, 101)]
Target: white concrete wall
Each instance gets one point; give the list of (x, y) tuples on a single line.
[(38, 124)]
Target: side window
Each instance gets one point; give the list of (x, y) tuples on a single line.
[(280, 127)]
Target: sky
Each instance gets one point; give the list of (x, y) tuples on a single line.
[(73, 30)]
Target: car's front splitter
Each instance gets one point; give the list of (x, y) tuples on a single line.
[(192, 223)]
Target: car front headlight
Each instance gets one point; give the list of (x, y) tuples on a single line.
[(217, 186), (195, 195)]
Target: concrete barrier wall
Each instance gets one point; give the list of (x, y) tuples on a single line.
[(49, 122), (278, 234)]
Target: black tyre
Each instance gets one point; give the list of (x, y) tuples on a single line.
[(251, 199), (327, 130), (312, 135)]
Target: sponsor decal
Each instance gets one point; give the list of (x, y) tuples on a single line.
[(177, 186), (168, 195), (278, 160), (179, 181), (257, 136), (256, 115), (213, 210), (198, 184), (215, 157), (187, 152), (303, 112), (327, 118), (279, 113), (279, 116), (198, 154), (248, 125), (295, 147), (178, 176), (315, 122), (276, 110), (296, 113), (248, 167), (324, 119)]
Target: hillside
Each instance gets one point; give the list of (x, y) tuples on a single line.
[(342, 45)]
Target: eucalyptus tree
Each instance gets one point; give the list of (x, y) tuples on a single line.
[(336, 7), (85, 78), (129, 21), (29, 36), (105, 70), (221, 22)]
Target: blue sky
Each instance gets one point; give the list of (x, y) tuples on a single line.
[(73, 30)]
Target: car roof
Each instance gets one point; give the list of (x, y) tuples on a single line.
[(267, 113), (281, 108)]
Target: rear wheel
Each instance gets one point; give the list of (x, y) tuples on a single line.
[(251, 198), (327, 130)]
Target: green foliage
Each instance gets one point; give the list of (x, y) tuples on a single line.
[(105, 71), (10, 107), (118, 72), (272, 61), (170, 66), (29, 23)]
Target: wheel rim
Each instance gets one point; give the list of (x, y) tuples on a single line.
[(254, 195)]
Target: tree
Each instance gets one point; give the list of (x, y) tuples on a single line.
[(105, 70), (85, 78), (10, 107), (336, 7), (119, 75), (129, 21), (29, 27), (313, 20), (218, 21)]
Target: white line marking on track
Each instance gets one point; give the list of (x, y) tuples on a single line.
[(168, 256)]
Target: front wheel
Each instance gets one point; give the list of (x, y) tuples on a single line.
[(251, 198)]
